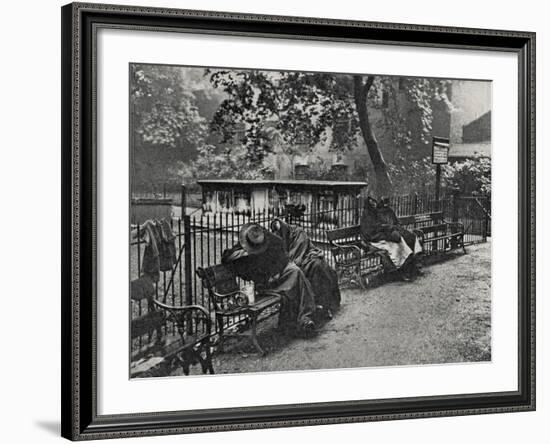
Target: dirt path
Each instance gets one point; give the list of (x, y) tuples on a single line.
[(442, 317)]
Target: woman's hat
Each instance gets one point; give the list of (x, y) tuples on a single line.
[(252, 238), (276, 225), (371, 201)]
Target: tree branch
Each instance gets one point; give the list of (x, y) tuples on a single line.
[(358, 88), (368, 84), (362, 88)]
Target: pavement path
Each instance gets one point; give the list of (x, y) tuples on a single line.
[(442, 317)]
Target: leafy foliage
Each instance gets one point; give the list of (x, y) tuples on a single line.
[(308, 108), (300, 107), (228, 164), (165, 110), (249, 114), (416, 174), (408, 118), (167, 126), (471, 176)]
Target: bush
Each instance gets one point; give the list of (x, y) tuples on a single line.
[(468, 176), (471, 176)]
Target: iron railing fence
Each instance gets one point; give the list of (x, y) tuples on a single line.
[(204, 237), (475, 213)]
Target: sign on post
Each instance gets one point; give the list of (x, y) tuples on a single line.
[(440, 150), (440, 156)]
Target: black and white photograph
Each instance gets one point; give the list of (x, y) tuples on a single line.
[(296, 221), (275, 222)]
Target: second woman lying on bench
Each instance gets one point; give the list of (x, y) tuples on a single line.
[(381, 229)]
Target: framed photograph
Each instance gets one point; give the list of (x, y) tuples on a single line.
[(279, 221)]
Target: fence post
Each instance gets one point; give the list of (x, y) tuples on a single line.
[(184, 201), (188, 271), (455, 205), (415, 203), (438, 186), (486, 223)]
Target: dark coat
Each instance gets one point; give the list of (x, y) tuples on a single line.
[(381, 223), (377, 225), (272, 270), (311, 260)]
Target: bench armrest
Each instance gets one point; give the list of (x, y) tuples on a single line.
[(345, 250), (181, 308), (180, 314)]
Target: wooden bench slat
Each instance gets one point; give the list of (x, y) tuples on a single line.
[(150, 358), (193, 342), (433, 217), (264, 302)]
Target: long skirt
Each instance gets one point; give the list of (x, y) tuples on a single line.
[(324, 282), (298, 302)]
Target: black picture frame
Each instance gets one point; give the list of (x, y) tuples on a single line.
[(79, 390)]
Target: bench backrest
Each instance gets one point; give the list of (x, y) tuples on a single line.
[(353, 232), (223, 288), (350, 233), (218, 279), (424, 219)]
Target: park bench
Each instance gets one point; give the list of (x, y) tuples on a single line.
[(356, 261), (436, 234), (231, 304), (188, 344)]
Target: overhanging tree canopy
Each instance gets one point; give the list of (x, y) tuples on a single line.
[(310, 106)]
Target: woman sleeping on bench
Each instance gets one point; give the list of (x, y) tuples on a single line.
[(260, 257), (380, 228), (311, 260)]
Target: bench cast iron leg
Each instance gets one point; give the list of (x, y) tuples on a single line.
[(209, 366), (206, 362), (253, 336), (219, 320)]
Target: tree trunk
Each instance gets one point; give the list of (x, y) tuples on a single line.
[(383, 185)]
